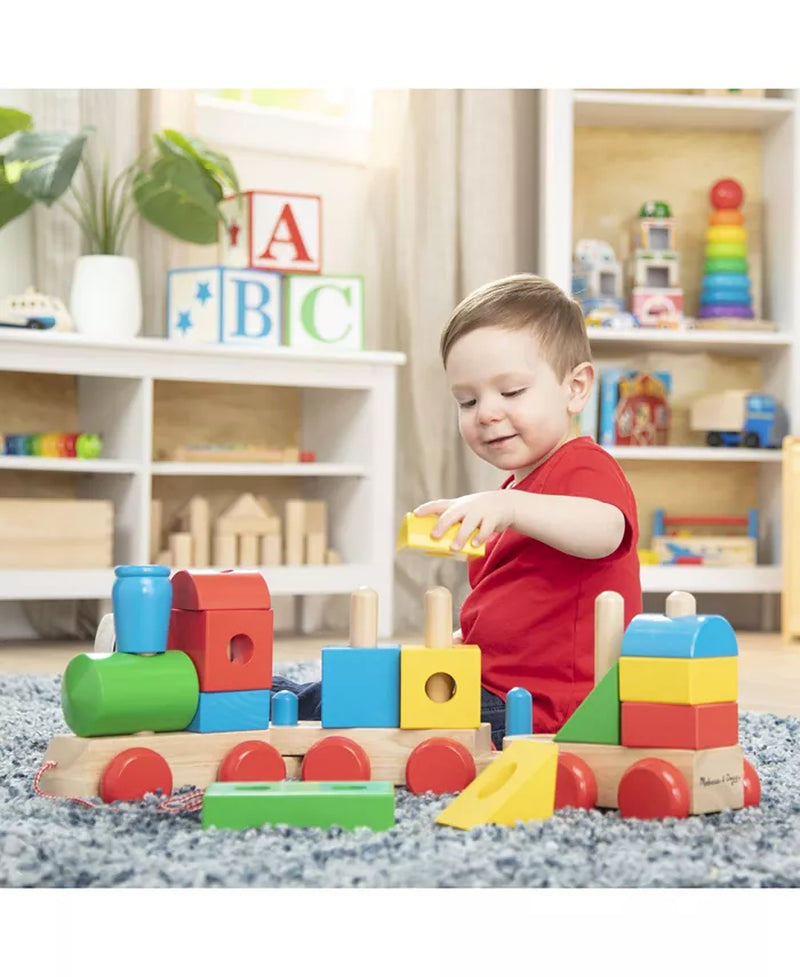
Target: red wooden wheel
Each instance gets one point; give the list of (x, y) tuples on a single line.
[(252, 760), (653, 788), (133, 773), (752, 785), (441, 765), (576, 785), (335, 758)]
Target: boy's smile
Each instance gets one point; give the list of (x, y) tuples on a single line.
[(513, 411)]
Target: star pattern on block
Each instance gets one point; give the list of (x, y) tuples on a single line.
[(233, 234), (184, 322), (203, 293)]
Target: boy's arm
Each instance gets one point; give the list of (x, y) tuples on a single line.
[(573, 524)]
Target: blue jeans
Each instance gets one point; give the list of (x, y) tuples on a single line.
[(309, 705)]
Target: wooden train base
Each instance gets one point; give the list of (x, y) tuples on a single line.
[(441, 760)]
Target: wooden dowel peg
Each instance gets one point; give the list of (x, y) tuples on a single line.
[(609, 626), (680, 603), (364, 618), (439, 634)]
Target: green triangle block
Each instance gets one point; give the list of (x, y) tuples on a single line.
[(596, 720)]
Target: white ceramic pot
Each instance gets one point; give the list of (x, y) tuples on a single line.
[(106, 299)]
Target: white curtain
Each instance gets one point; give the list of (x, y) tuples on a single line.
[(123, 122), (451, 205)]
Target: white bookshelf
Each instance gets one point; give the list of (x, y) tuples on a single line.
[(348, 418), (774, 121)]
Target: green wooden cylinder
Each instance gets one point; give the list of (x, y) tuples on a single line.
[(114, 694)]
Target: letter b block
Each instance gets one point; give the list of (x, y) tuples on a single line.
[(234, 306)]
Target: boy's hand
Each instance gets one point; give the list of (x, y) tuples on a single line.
[(486, 512)]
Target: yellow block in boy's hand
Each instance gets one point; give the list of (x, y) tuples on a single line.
[(415, 533)]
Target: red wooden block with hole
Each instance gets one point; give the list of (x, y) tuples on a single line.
[(231, 650), (441, 765), (680, 727), (133, 773), (223, 590), (252, 760)]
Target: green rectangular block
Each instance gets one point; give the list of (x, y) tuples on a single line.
[(301, 803)]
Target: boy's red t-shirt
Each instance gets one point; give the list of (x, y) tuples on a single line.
[(531, 607)]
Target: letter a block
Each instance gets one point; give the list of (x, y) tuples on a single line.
[(272, 230), (234, 306), (324, 312), (520, 785)]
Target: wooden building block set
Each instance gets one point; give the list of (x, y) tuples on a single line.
[(268, 289), (51, 534), (184, 698), (248, 533)]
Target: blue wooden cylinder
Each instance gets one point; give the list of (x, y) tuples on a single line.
[(141, 599), (284, 708), (519, 712)]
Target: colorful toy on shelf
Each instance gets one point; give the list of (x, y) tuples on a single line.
[(33, 310), (657, 298), (739, 417), (726, 291), (634, 407), (52, 445), (597, 280), (679, 547), (268, 289), (659, 732)]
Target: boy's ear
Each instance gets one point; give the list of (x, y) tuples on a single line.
[(581, 382)]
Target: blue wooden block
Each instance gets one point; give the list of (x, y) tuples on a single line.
[(222, 712), (361, 687), (693, 636), (233, 306)]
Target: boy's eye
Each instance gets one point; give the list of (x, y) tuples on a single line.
[(513, 393), (466, 403)]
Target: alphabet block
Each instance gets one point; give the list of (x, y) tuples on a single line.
[(234, 306), (273, 231), (324, 312)]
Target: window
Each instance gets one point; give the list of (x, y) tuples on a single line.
[(317, 123)]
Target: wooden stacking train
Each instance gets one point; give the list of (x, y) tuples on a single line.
[(657, 737)]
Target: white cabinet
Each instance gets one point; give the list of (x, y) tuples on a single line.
[(603, 153), (131, 392)]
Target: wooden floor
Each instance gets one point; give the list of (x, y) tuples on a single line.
[(769, 669)]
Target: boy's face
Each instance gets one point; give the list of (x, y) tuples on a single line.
[(512, 410)]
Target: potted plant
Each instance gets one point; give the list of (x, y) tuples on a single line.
[(177, 185)]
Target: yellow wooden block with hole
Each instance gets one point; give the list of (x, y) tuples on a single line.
[(520, 785), (415, 533), (684, 681), (418, 665)]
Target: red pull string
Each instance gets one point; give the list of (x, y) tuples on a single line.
[(192, 801)]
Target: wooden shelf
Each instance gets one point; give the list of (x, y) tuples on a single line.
[(691, 453), (226, 468), (652, 110), (108, 466), (733, 343), (712, 580)]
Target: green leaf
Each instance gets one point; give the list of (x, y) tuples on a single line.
[(12, 203), (216, 165), (12, 120), (41, 164), (174, 196)]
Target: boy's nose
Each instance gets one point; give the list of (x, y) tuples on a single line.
[(489, 410)]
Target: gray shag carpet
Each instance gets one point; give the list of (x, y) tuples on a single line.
[(61, 844)]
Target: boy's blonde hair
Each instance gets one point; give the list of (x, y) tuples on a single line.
[(525, 302)]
